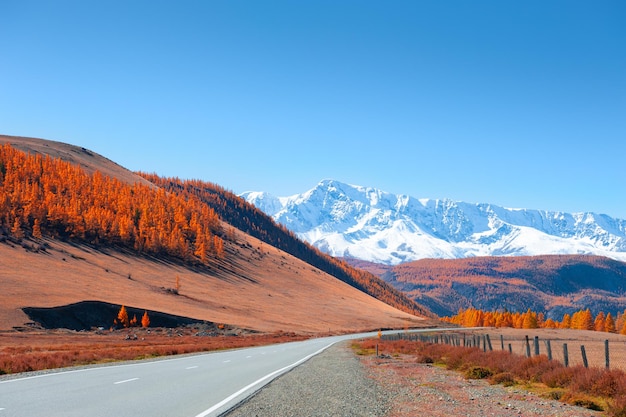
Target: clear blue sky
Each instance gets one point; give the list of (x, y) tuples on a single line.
[(516, 103)]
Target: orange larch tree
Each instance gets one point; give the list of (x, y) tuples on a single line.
[(122, 317), (598, 323), (609, 324), (145, 320)]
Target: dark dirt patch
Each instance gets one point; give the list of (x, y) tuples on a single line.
[(86, 315)]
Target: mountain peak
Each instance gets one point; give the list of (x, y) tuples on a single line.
[(373, 225)]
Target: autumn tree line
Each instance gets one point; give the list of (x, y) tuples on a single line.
[(45, 196), (580, 320)]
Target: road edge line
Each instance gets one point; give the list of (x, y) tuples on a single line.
[(259, 381)]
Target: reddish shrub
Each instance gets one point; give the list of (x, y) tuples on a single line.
[(617, 407), (504, 378), (532, 369), (609, 383), (560, 377), (478, 372), (584, 380)]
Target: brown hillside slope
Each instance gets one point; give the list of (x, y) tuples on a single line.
[(267, 291), (254, 285)]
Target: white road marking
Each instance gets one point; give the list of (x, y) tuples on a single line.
[(191, 367), (124, 381), (226, 361), (248, 357), (258, 381)]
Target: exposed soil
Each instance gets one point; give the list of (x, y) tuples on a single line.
[(86, 315)]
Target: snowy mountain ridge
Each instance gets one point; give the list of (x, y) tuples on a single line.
[(373, 225)]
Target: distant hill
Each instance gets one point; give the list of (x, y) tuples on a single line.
[(555, 284), (75, 226), (369, 224)]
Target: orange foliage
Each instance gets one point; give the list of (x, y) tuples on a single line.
[(581, 319), (45, 196), (145, 320), (122, 317)]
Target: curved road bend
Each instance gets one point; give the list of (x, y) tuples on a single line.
[(200, 385)]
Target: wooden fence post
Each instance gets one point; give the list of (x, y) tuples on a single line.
[(565, 356), (527, 347), (510, 348), (606, 353), (536, 345), (502, 341), (582, 351), (548, 349), (489, 342)]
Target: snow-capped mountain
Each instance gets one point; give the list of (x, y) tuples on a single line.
[(372, 225)]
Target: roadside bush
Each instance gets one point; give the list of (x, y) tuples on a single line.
[(503, 378), (457, 358), (610, 383), (582, 400), (561, 377), (477, 372), (617, 407), (592, 388), (425, 359), (532, 369)]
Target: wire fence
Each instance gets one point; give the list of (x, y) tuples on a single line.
[(591, 352)]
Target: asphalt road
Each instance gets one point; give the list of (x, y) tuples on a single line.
[(200, 385)]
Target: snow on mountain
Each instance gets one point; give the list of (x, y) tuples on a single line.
[(373, 225)]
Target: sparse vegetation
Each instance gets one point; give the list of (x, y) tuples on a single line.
[(50, 351), (593, 388)]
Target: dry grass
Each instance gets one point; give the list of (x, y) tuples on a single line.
[(262, 288), (593, 342), (35, 351), (593, 388)]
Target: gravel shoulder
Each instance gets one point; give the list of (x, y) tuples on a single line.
[(333, 383), (339, 383)]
